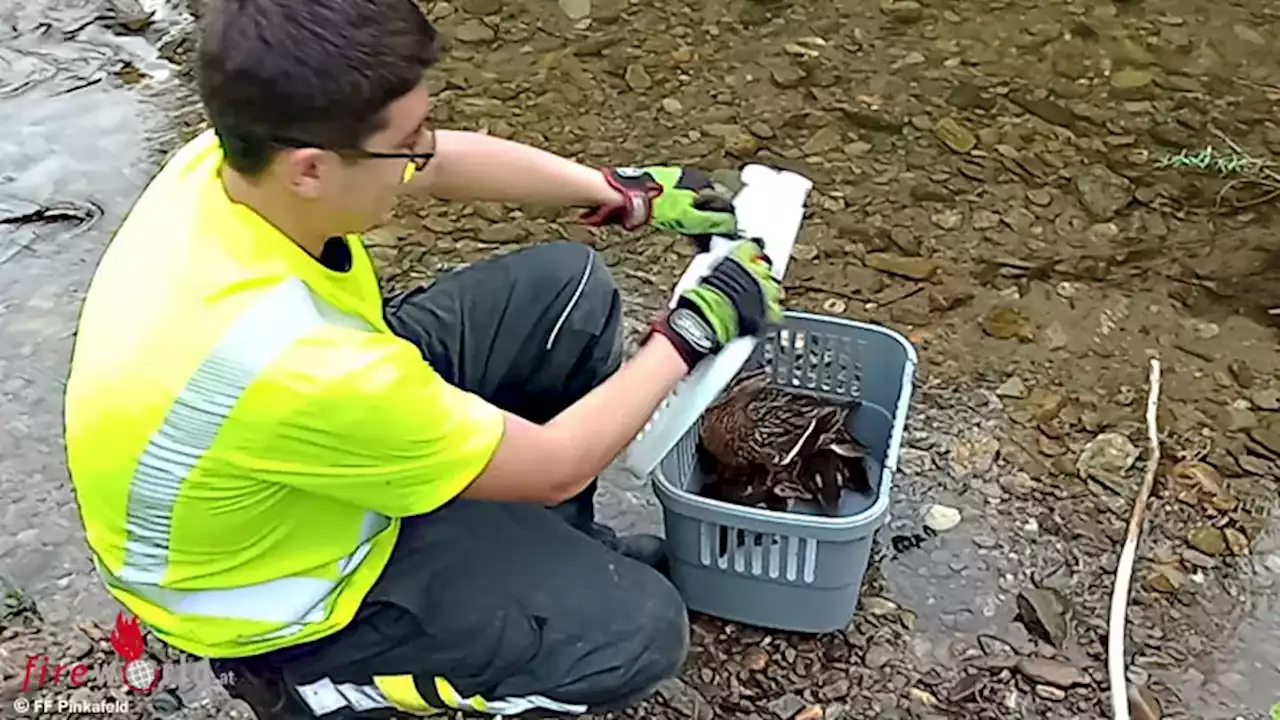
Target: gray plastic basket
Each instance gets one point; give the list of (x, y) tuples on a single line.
[(797, 570)]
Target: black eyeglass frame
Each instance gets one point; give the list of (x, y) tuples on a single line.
[(419, 160)]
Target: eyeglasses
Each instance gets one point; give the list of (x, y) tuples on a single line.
[(419, 159)]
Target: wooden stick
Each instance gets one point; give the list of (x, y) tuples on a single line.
[(1124, 570)]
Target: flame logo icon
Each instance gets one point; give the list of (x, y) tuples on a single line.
[(139, 673)]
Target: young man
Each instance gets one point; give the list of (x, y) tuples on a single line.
[(363, 507)]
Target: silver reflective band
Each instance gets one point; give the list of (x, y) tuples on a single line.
[(692, 328), (324, 696), (266, 329)]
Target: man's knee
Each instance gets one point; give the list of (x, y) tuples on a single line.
[(665, 625), (571, 265)]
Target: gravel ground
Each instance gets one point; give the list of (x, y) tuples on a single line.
[(1013, 185)]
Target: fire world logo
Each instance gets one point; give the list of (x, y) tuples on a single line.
[(139, 673)]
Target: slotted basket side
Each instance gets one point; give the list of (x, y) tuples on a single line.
[(792, 570)]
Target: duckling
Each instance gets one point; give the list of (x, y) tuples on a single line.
[(774, 447)]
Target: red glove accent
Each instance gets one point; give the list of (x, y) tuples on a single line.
[(633, 207), (659, 326)]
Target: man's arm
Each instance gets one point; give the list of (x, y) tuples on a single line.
[(553, 462), (473, 166)]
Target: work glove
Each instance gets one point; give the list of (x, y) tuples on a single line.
[(739, 297), (683, 200)]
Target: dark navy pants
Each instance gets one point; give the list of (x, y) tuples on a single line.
[(509, 600)]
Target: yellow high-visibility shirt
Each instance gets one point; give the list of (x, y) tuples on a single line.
[(243, 431)]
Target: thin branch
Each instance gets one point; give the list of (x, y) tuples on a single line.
[(1124, 570)]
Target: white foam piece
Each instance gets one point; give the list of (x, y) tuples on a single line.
[(771, 207)]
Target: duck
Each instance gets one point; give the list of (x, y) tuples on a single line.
[(771, 447)]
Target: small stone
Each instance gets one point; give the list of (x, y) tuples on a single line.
[(755, 659), (1055, 336), (1208, 540), (1019, 220), (834, 306), (1241, 373), (474, 31), (824, 140), (941, 518), (1249, 35), (1131, 79), (878, 606), (787, 706), (1050, 693), (914, 462), (908, 267), (672, 106), (1044, 612), (1040, 196), (1106, 458), (922, 697), (1267, 438), (1268, 399), (637, 77), (1103, 233), (948, 219), (955, 136), (573, 9), (1047, 671), (1166, 579), (1005, 322), (835, 690), (984, 220), (1238, 418), (1197, 559), (1103, 192), (973, 455), (502, 234), (813, 712), (878, 656), (1014, 387), (904, 11), (481, 7), (1236, 541)]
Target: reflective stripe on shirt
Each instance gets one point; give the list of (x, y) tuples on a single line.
[(266, 329)]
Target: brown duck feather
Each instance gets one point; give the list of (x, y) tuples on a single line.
[(774, 447)]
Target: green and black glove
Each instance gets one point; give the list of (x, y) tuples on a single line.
[(739, 297), (683, 200)]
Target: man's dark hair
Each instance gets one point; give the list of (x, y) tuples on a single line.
[(311, 71)]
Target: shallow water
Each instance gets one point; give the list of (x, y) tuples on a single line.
[(78, 139)]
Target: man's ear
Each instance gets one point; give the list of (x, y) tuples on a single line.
[(303, 168)]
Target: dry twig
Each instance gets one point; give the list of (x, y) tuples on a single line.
[(1124, 569)]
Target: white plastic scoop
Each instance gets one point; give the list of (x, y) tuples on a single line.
[(770, 206)]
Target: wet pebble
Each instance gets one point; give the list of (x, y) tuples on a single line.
[(787, 706), (1014, 387), (1197, 559), (1047, 671), (1048, 692), (1208, 540), (1266, 399), (878, 656), (474, 31), (1107, 457), (914, 462), (941, 518), (973, 455)]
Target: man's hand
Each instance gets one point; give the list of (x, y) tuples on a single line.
[(739, 297), (683, 200)]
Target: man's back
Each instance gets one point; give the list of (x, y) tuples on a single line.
[(210, 422)]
